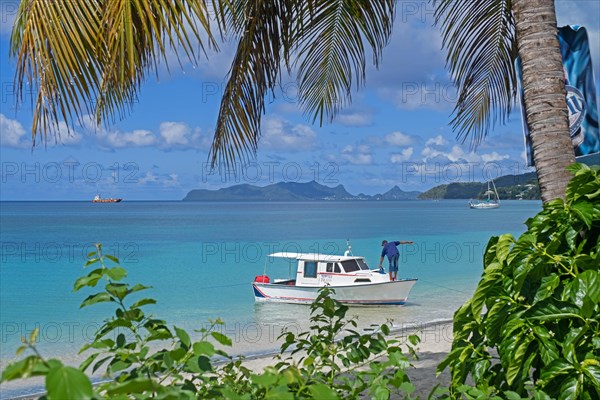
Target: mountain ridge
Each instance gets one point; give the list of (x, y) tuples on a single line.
[(293, 191), (522, 186)]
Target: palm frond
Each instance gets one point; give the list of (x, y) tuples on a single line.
[(137, 36), (255, 70), (331, 50), (90, 57), (325, 36), (55, 43), (480, 39)]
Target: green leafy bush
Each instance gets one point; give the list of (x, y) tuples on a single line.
[(532, 327), (142, 357)]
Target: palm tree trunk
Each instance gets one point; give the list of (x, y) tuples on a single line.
[(544, 88)]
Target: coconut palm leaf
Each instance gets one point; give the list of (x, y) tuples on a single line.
[(137, 37), (55, 44), (263, 27), (480, 39), (90, 57), (326, 37), (331, 50)]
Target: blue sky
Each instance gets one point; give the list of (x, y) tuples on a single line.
[(395, 132)]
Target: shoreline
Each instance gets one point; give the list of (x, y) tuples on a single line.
[(435, 344)]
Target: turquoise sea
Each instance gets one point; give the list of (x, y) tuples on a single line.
[(201, 257)]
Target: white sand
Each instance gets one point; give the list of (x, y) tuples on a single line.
[(436, 341)]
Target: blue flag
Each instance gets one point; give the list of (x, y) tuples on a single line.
[(582, 102)]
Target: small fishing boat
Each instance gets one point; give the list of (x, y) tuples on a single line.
[(99, 199), (492, 200), (349, 276)]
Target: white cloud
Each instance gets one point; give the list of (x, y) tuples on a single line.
[(454, 155), (359, 155), (398, 139), (136, 138), (403, 156), (174, 133), (171, 136), (67, 136), (438, 141), (281, 135), (149, 177), (12, 133), (178, 135), (491, 157)]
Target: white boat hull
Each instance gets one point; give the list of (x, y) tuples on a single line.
[(384, 293), (482, 206)]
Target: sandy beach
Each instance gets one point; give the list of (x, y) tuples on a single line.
[(436, 341)]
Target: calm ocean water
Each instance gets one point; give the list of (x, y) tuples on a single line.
[(201, 257)]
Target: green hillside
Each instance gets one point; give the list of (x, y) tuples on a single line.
[(510, 187)]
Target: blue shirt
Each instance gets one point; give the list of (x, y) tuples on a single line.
[(390, 249)]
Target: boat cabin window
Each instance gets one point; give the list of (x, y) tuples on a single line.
[(310, 269), (350, 265), (337, 269), (362, 264), (329, 267)]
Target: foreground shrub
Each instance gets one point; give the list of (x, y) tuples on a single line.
[(142, 357), (532, 327)]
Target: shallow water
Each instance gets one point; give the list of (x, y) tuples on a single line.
[(201, 257)]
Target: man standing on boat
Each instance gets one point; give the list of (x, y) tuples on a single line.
[(390, 249)]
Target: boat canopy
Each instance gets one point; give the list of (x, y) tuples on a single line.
[(313, 257)]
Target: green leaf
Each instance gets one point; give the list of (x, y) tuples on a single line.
[(183, 336), (116, 273), (516, 363), (118, 365), (101, 297), (112, 258), (503, 246), (143, 302), (91, 261), (556, 368), (219, 337), (588, 284), (138, 287), (592, 371), (90, 280), (118, 290), (570, 388), (21, 369), (585, 212), (323, 392), (491, 276), (65, 382), (137, 385), (510, 395), (20, 350), (204, 348), (547, 287)]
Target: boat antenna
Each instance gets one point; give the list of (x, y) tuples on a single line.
[(349, 251)]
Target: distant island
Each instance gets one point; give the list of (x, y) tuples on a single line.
[(514, 187), (293, 191), (510, 187)]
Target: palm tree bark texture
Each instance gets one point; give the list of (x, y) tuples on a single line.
[(544, 94)]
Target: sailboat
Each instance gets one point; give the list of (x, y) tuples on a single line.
[(492, 200)]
